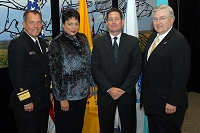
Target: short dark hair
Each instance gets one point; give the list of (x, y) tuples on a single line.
[(69, 13), (114, 10), (31, 11)]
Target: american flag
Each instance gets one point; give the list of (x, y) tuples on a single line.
[(35, 5)]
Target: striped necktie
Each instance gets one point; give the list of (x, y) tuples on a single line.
[(155, 44), (115, 49)]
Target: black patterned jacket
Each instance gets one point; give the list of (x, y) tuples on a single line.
[(70, 60)]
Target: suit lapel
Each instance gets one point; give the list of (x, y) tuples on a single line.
[(159, 48), (109, 48), (122, 46), (43, 46), (150, 40), (31, 46), (149, 43)]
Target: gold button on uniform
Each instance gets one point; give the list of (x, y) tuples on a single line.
[(21, 89), (45, 75)]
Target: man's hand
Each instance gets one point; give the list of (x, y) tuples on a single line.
[(64, 104), (115, 93), (170, 109), (51, 96), (29, 107)]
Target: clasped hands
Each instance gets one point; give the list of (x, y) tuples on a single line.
[(115, 92), (170, 109), (64, 104)]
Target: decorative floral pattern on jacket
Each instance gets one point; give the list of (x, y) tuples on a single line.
[(70, 60)]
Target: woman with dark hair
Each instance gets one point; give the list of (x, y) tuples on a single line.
[(70, 59)]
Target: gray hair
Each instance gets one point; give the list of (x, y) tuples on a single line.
[(168, 9)]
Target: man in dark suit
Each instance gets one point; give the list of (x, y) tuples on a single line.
[(116, 74), (29, 73), (166, 69)]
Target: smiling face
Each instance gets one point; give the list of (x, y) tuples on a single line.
[(33, 24), (71, 26), (163, 23), (114, 23)]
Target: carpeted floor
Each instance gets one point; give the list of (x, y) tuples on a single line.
[(191, 122)]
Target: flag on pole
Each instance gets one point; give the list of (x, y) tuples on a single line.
[(142, 123), (159, 2), (131, 28), (91, 120), (84, 21), (35, 5), (130, 24), (51, 122)]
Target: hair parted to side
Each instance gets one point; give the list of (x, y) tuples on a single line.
[(31, 11), (69, 13), (169, 10), (114, 10)]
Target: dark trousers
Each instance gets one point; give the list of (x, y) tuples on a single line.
[(31, 122), (170, 123), (70, 121), (127, 113)]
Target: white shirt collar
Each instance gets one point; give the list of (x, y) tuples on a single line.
[(118, 38), (163, 35), (32, 37)]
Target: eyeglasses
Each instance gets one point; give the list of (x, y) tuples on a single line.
[(161, 19), (35, 23)]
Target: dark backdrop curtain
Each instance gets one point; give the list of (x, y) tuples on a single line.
[(7, 122), (189, 26), (174, 5)]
